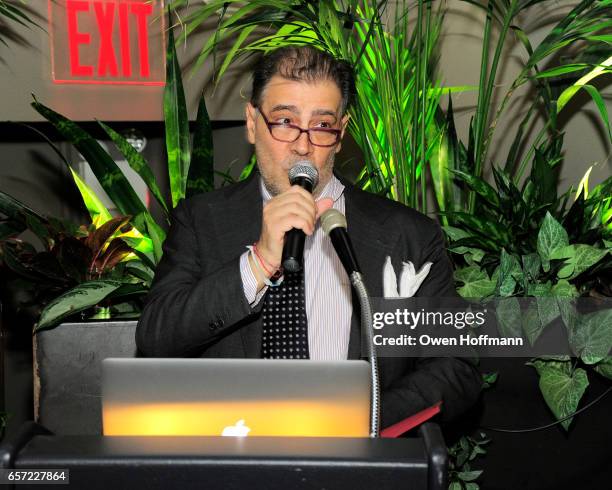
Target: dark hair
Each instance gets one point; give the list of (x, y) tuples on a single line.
[(303, 63)]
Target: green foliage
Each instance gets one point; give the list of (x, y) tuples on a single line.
[(555, 254), (71, 256), (461, 455), (529, 237), (395, 114), (111, 263), (14, 13), (562, 387)]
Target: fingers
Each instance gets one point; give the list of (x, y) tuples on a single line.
[(295, 208), (323, 205)]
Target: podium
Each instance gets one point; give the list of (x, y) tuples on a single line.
[(270, 463)]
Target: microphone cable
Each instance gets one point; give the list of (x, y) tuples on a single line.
[(547, 426)]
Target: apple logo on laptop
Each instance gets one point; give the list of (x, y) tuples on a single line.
[(237, 430)]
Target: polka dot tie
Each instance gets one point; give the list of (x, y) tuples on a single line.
[(285, 329)]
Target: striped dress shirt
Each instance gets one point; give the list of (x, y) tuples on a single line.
[(327, 286)]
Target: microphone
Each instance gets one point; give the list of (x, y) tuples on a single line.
[(334, 225), (304, 174)]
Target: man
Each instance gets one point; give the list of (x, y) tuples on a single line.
[(214, 297)]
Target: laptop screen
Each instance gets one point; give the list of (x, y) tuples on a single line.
[(235, 397)]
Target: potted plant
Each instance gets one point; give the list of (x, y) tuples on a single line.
[(88, 280)]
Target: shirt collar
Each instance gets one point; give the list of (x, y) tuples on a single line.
[(333, 189)]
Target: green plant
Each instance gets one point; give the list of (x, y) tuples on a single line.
[(461, 454), (14, 12), (555, 73), (190, 171), (543, 249), (394, 117), (73, 260)]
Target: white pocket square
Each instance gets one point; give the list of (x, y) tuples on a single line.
[(409, 282)]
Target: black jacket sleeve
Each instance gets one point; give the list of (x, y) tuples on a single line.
[(189, 308)]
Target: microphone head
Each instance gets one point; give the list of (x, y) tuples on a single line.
[(332, 218), (306, 170)]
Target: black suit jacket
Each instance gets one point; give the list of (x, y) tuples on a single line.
[(196, 306)]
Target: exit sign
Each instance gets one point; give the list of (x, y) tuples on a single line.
[(107, 41)]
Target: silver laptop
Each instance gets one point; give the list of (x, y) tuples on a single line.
[(235, 397)]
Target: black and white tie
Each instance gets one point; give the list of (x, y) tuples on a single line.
[(285, 327)]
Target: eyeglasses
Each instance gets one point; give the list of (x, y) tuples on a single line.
[(288, 133)]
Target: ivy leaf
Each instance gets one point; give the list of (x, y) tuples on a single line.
[(564, 289), (531, 266), (476, 282), (488, 380), (564, 293), (509, 271), (532, 326), (508, 313), (591, 339), (552, 236), (469, 475), (579, 260), (562, 389), (604, 367)]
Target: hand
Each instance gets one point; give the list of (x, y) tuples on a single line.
[(295, 208)]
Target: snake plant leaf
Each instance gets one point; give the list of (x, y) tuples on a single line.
[(157, 235), (17, 211), (77, 299), (445, 159), (96, 209), (201, 171), (562, 389), (107, 172), (137, 162), (177, 125)]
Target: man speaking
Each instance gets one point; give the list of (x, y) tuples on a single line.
[(221, 289)]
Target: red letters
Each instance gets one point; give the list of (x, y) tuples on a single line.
[(142, 11), (126, 65), (102, 15), (105, 16), (75, 37)]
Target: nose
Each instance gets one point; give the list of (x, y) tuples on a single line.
[(302, 145)]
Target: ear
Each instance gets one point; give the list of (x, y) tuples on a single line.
[(343, 125), (250, 115)]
